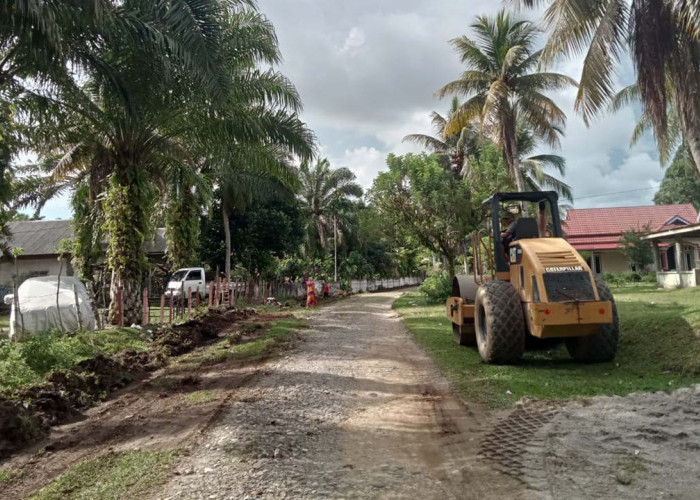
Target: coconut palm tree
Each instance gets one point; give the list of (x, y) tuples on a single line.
[(502, 87), (453, 151), (454, 154), (535, 169), (663, 39), (321, 189), (249, 141)]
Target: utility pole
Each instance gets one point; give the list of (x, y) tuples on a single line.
[(335, 249)]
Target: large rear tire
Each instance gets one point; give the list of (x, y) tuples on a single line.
[(602, 346), (499, 322)]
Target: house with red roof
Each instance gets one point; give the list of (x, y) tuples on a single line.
[(597, 231)]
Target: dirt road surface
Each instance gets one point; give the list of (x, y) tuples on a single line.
[(356, 411), (644, 445)]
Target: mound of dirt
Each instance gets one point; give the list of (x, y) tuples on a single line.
[(28, 414), (644, 445), (18, 427)]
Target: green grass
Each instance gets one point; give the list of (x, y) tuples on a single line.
[(201, 397), (659, 350), (8, 475), (113, 476), (27, 362), (277, 332)]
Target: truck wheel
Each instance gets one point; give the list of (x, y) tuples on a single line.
[(499, 322), (602, 346)]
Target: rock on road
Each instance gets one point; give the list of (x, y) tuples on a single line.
[(355, 411)]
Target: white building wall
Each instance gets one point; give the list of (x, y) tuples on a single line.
[(613, 262), (28, 267), (678, 279)]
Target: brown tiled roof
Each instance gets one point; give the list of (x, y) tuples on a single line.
[(601, 228)]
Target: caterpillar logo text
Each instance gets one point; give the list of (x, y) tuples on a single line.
[(562, 269)]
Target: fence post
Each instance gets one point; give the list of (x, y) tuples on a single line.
[(189, 302), (162, 307), (171, 308), (120, 302), (211, 293), (77, 308), (199, 298), (18, 310), (146, 314)]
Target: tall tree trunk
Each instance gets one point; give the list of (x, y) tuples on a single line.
[(518, 174), (691, 133), (127, 224), (182, 229), (510, 152), (227, 237), (450, 265), (321, 233)]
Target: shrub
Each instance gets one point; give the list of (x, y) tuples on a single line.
[(28, 361), (625, 277), (649, 277), (437, 287)]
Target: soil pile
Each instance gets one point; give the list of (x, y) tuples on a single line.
[(638, 446), (27, 414)]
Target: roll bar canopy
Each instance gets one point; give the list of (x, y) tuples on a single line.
[(495, 200)]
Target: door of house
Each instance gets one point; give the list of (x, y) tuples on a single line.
[(671, 258), (594, 263)]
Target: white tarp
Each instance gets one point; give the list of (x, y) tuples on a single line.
[(40, 311)]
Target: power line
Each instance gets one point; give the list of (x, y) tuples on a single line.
[(610, 194)]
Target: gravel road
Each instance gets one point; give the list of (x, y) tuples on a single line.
[(356, 411)]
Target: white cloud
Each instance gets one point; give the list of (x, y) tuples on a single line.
[(362, 106), (366, 162), (367, 72), (354, 42)]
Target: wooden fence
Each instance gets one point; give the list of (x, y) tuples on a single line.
[(184, 304)]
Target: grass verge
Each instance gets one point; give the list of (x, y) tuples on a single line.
[(276, 333), (659, 350), (113, 476)]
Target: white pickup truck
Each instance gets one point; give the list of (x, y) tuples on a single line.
[(190, 277)]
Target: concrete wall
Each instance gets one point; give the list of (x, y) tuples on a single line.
[(385, 284), (613, 262), (678, 279)]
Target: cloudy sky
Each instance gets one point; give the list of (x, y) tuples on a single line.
[(367, 71)]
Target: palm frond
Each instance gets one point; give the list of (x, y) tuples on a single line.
[(431, 144)]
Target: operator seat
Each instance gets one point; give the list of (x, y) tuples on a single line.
[(526, 227)]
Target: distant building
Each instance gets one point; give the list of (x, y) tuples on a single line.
[(598, 231), (39, 240)]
